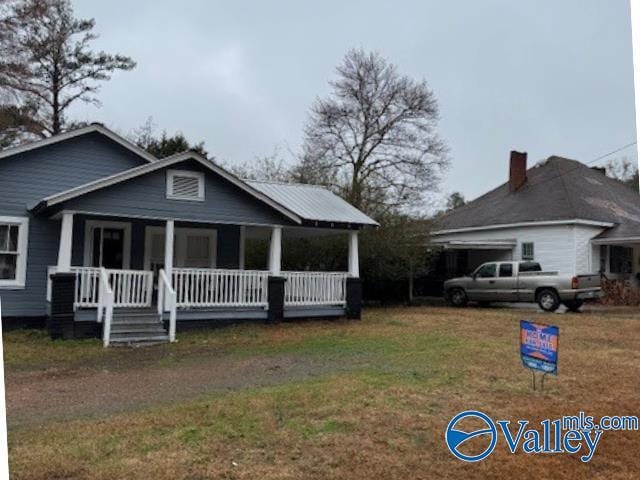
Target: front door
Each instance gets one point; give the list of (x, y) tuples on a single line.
[(482, 287)]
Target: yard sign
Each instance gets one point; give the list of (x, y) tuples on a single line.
[(539, 346)]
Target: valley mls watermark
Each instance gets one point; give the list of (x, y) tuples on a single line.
[(579, 434)]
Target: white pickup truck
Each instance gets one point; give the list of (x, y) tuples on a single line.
[(522, 282)]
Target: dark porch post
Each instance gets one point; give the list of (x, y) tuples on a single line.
[(354, 282), (275, 291), (60, 323)]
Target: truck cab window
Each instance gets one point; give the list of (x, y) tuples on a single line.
[(487, 270), (506, 270), (530, 267)]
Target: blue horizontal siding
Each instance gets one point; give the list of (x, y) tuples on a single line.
[(26, 178), (145, 196)]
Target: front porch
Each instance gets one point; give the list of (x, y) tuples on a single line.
[(618, 262), (122, 275)]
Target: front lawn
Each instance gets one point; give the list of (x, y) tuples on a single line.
[(322, 399)]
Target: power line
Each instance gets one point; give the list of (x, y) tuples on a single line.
[(612, 152)]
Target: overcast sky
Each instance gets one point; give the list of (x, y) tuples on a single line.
[(546, 77)]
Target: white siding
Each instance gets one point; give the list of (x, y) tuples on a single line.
[(587, 255), (563, 248)]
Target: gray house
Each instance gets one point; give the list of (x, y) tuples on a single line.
[(567, 216), (104, 239)]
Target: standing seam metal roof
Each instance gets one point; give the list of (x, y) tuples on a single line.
[(312, 202)]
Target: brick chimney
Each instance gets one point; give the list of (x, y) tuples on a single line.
[(517, 170)]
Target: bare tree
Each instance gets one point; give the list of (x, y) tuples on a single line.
[(374, 137), (46, 64), (268, 168)]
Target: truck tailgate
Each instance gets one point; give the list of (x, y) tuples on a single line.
[(591, 280)]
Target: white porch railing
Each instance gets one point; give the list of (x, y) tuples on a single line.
[(105, 304), (201, 287), (167, 302), (315, 288), (131, 288)]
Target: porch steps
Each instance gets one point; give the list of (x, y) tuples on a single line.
[(137, 326)]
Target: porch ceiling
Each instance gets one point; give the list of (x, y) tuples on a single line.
[(264, 233)]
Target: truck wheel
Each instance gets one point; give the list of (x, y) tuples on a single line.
[(457, 297), (573, 305), (548, 300)]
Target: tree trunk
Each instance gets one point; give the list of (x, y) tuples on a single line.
[(55, 104)]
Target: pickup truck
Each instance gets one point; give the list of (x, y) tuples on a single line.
[(522, 282)]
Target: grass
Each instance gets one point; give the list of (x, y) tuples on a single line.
[(395, 380)]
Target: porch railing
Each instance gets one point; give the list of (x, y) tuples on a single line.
[(167, 302), (131, 288), (315, 288), (200, 287), (105, 305)]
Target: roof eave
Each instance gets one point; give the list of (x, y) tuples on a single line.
[(498, 226)]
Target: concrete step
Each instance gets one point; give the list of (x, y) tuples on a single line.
[(135, 314), (127, 310), (139, 339), (145, 328), (136, 318)]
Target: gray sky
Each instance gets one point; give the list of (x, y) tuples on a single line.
[(546, 77)]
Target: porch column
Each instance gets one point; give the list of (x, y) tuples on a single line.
[(354, 283), (241, 247), (168, 249), (66, 241), (275, 251), (275, 289), (354, 263), (635, 267)]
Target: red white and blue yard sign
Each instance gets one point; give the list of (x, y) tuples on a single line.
[(539, 346)]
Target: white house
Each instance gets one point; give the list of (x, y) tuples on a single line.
[(561, 213)]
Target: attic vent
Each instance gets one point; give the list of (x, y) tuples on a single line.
[(185, 185)]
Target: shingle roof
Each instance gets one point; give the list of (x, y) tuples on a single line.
[(556, 189), (313, 203)]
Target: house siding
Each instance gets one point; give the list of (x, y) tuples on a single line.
[(27, 177), (145, 196), (563, 248), (587, 255)]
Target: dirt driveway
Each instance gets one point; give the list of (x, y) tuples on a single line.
[(37, 397)]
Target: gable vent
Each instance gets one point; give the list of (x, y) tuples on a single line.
[(185, 185)]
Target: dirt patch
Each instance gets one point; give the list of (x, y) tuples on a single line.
[(36, 397)]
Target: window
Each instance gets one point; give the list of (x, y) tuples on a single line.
[(13, 251), (488, 270), (506, 270), (185, 185), (620, 259), (527, 251)]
